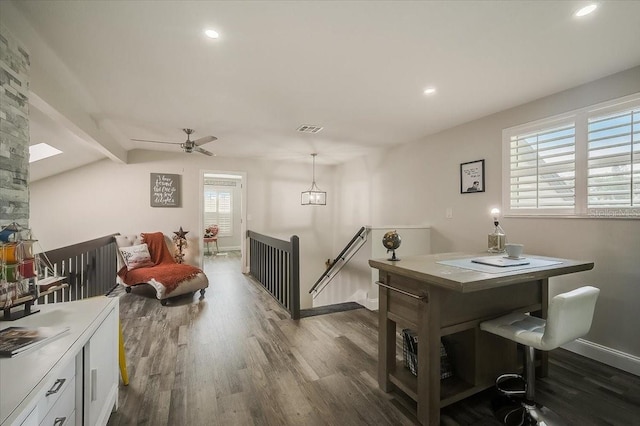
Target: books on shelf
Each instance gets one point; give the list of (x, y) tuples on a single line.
[(14, 340)]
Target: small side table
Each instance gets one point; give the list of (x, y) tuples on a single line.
[(207, 241)]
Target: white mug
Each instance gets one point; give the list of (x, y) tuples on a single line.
[(514, 250)]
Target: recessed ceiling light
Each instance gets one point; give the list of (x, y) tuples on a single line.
[(429, 90), (211, 34), (41, 151), (586, 10)]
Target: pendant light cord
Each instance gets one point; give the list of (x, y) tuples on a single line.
[(314, 169)]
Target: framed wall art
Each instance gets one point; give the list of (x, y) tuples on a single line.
[(165, 190), (472, 177)]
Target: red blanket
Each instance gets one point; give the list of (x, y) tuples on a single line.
[(166, 271)]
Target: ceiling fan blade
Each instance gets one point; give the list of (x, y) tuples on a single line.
[(204, 140), (145, 140), (203, 151)]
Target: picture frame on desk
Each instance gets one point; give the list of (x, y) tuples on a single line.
[(472, 177)]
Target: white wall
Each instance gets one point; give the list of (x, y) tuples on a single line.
[(415, 183), (107, 197), (355, 281)]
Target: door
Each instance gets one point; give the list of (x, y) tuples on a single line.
[(223, 204)]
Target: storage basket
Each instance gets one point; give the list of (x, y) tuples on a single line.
[(410, 354)]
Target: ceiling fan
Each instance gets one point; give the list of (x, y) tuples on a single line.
[(188, 146)]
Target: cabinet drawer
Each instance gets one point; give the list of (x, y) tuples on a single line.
[(61, 414), (32, 418), (56, 387)]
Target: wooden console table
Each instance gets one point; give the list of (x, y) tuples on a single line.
[(448, 302), (71, 380)]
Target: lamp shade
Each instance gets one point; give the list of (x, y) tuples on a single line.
[(314, 197)]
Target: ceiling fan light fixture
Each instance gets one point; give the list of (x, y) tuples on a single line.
[(313, 196), (188, 146)]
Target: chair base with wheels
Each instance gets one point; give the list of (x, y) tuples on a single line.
[(569, 317)]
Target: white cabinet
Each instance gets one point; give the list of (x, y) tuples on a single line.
[(72, 380), (62, 412), (102, 373), (57, 400)]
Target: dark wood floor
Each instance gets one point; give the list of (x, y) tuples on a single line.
[(234, 358)]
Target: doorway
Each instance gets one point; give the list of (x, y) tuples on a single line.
[(222, 203)]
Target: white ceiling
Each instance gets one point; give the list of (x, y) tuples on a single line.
[(357, 68)]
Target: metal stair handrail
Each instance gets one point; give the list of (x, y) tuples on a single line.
[(338, 263)]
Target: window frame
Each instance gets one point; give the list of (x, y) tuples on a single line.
[(580, 118)]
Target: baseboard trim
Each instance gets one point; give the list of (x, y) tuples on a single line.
[(612, 357), (370, 304)]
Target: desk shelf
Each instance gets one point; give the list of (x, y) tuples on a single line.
[(452, 389), (402, 378)]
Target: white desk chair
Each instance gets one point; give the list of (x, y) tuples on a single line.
[(569, 317)]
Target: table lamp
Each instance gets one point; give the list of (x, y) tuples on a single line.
[(497, 238)]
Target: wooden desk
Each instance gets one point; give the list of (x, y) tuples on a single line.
[(439, 301)]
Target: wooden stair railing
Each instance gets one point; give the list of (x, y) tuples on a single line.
[(275, 264), (90, 269)]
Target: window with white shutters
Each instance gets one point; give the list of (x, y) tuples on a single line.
[(225, 212), (218, 209), (614, 160), (582, 164), (542, 172)]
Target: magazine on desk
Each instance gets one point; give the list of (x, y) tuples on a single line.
[(501, 261), (14, 340)]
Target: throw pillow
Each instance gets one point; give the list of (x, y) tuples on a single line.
[(136, 256)]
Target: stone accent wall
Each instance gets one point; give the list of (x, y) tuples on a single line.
[(14, 131)]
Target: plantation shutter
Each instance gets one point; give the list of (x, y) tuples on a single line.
[(614, 160), (542, 169), (225, 212), (218, 209), (210, 201)]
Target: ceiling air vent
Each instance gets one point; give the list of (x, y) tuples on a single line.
[(308, 128)]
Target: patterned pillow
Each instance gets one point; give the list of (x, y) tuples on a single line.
[(136, 256)]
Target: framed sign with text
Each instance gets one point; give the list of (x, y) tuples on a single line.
[(472, 177), (165, 190)]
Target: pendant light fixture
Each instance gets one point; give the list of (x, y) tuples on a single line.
[(313, 196)]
